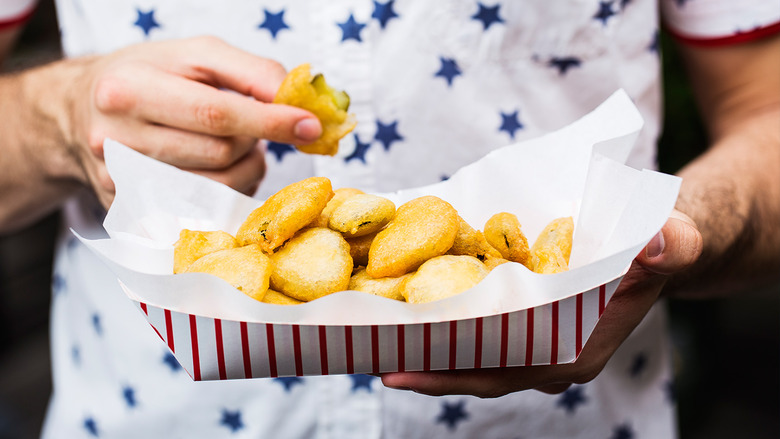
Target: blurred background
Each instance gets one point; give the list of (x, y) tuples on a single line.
[(727, 351)]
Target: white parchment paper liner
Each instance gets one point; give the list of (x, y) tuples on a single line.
[(578, 170)]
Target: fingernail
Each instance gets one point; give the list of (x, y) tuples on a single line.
[(308, 130), (656, 245)]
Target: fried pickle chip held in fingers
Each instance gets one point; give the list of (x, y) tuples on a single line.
[(422, 228), (472, 242), (361, 214), (442, 277), (193, 244), (559, 233), (277, 298), (389, 287), (314, 263), (284, 213), (246, 268), (300, 89), (339, 196), (503, 232)]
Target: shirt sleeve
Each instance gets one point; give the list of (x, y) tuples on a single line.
[(14, 13), (720, 22)]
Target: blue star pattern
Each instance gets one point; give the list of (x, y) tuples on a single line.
[(452, 414), (91, 426), (96, 324), (670, 391), (449, 70), (362, 381), (274, 22), (510, 122), (572, 398), (128, 393), (170, 360), (563, 64), (350, 29), (232, 420), (387, 133), (360, 151), (58, 283), (654, 45), (384, 12), (280, 150), (75, 355), (605, 12), (289, 382), (622, 431), (146, 21), (638, 365), (488, 15)]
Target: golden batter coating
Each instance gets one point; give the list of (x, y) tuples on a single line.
[(246, 268), (339, 196), (285, 212), (314, 263), (503, 232), (442, 277), (300, 89), (193, 245), (423, 228), (362, 214), (389, 287)]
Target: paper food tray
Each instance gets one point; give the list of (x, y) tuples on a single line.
[(512, 318)]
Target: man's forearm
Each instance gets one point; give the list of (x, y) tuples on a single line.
[(39, 163), (733, 194)]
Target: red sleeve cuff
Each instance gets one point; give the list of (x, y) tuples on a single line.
[(17, 20), (739, 37)]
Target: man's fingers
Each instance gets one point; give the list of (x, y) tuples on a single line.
[(168, 99), (244, 175), (676, 247), (235, 69)]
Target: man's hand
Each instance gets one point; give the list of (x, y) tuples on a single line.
[(673, 250), (198, 104)]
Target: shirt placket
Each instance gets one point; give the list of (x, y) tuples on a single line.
[(344, 56)]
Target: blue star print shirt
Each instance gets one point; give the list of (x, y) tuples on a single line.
[(435, 85)]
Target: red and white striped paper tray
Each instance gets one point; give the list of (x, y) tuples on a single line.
[(215, 349)]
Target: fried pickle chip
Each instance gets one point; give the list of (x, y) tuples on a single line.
[(284, 213), (548, 259), (193, 244), (389, 287), (503, 232), (552, 249), (246, 268), (361, 214), (472, 242), (277, 298), (339, 195), (559, 232), (300, 89), (314, 263), (442, 277), (359, 247), (422, 228)]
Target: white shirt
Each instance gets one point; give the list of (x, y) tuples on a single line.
[(435, 86)]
